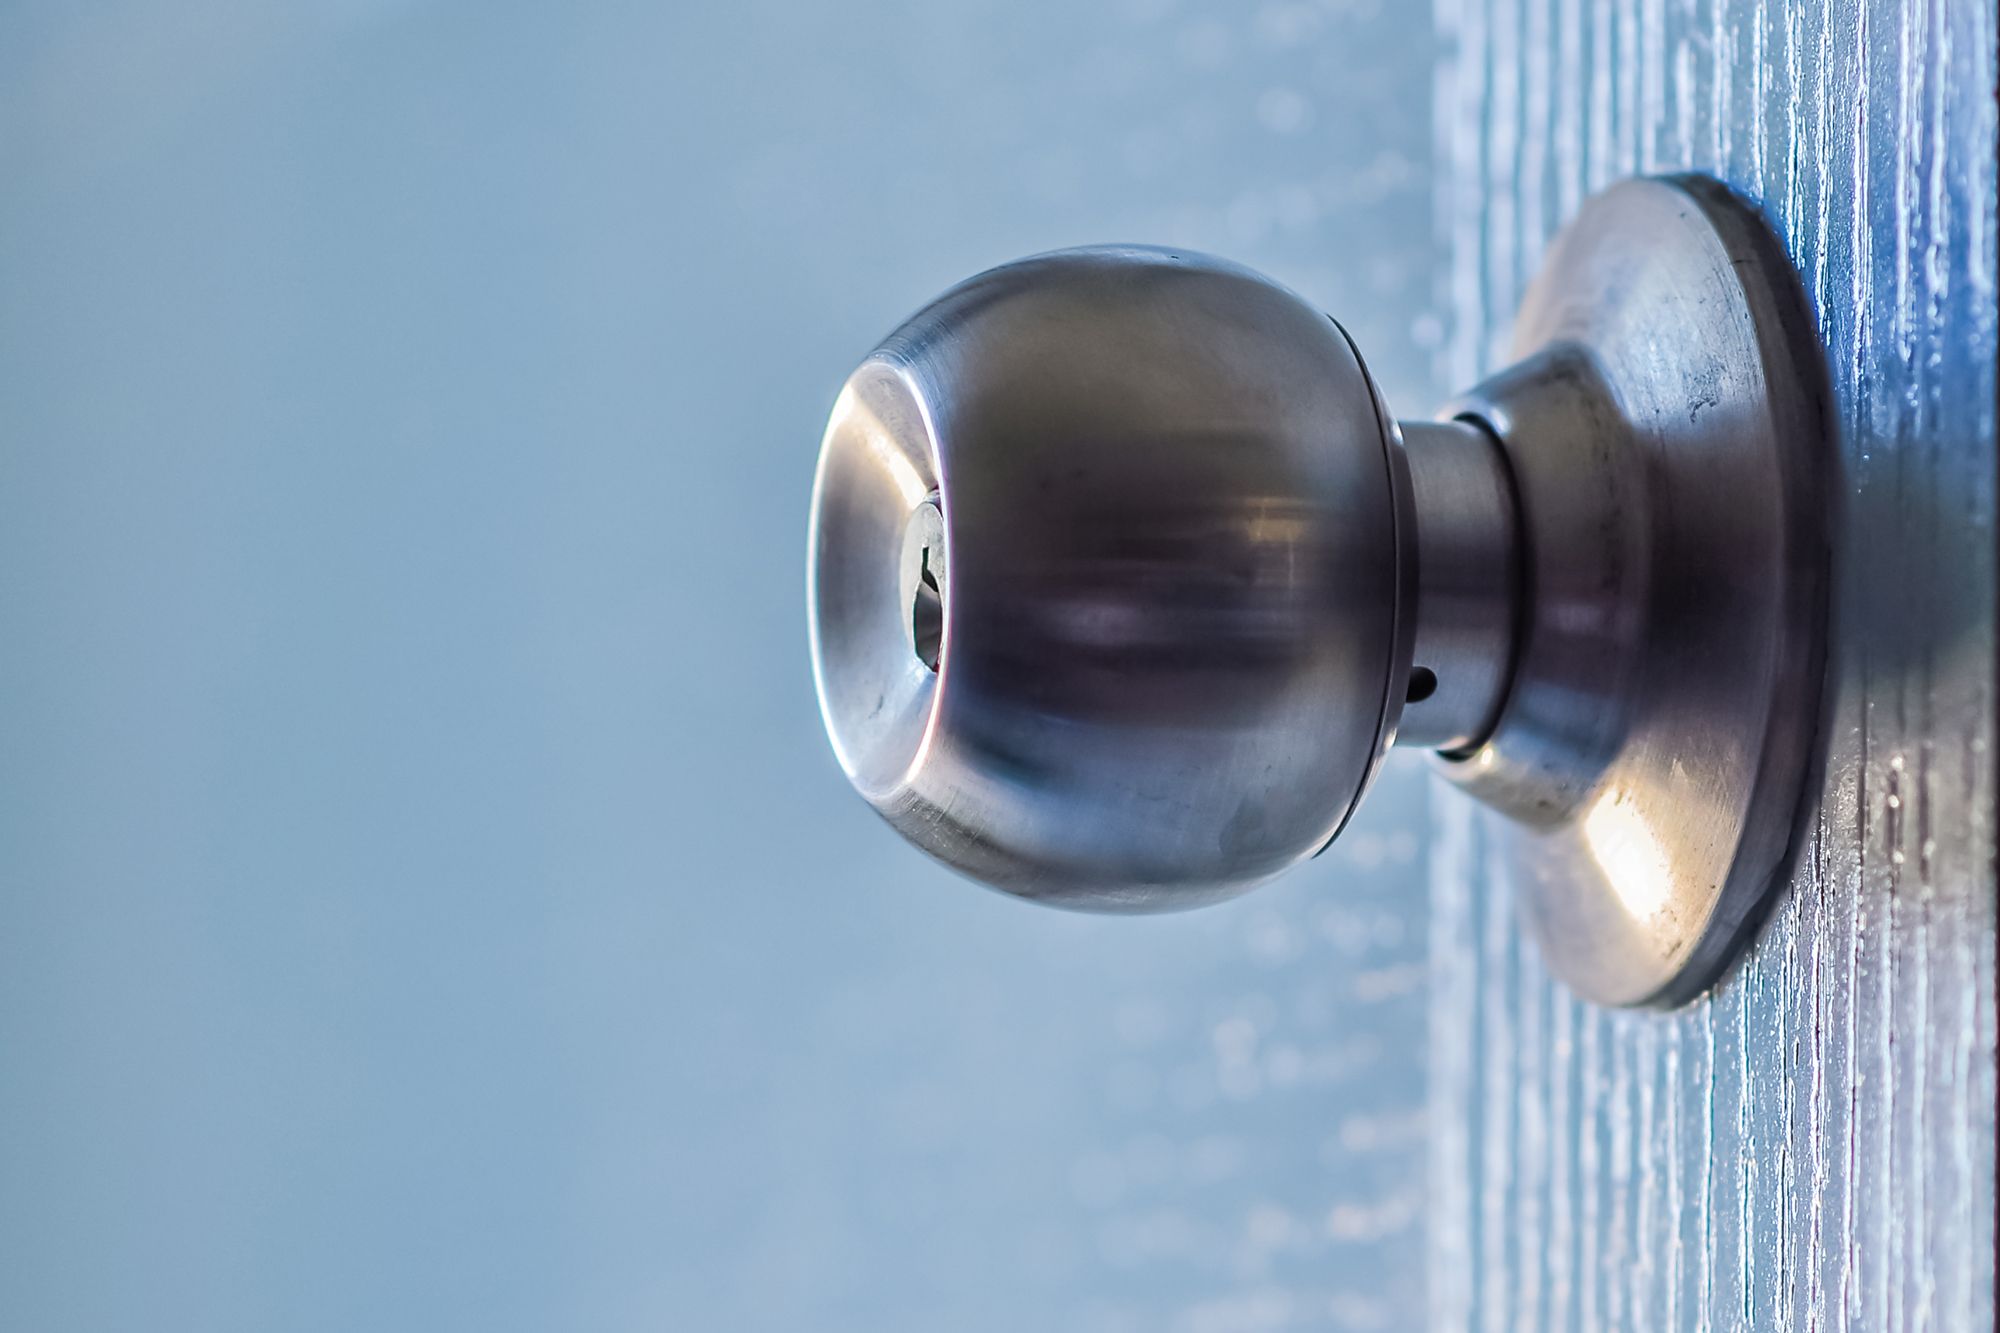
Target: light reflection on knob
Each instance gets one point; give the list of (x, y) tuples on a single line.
[(1123, 579)]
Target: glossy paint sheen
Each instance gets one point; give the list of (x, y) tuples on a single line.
[(1811, 1146)]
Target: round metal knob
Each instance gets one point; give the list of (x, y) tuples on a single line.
[(1123, 580), (1112, 588)]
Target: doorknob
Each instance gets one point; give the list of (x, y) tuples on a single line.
[(1123, 579)]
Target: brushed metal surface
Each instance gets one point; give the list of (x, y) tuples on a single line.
[(1176, 523), (1468, 585), (1664, 427)]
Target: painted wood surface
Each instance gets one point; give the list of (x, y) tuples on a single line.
[(1812, 1145)]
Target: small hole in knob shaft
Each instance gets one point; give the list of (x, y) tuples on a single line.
[(1423, 684), (927, 614)]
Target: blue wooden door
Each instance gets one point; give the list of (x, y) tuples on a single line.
[(1812, 1146)]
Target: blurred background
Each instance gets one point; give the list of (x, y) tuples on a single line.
[(426, 896)]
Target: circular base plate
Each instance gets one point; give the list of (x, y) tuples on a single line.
[(1665, 427)]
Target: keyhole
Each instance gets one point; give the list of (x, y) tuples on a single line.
[(926, 581), (927, 614)]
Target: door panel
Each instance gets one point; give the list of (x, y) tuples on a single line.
[(1811, 1146)]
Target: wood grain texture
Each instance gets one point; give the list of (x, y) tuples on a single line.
[(1812, 1146)]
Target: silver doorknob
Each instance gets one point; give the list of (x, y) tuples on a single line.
[(1123, 579)]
